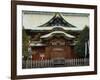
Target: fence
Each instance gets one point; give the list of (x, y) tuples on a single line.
[(55, 63)]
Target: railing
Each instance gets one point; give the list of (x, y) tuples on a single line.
[(51, 63)]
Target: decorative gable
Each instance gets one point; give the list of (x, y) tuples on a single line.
[(57, 20)]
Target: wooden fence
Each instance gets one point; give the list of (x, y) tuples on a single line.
[(53, 63)]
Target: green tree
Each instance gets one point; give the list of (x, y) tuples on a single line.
[(80, 45), (25, 44)]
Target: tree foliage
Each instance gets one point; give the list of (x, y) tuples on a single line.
[(25, 44), (80, 45)]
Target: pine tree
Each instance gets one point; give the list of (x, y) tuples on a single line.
[(80, 45)]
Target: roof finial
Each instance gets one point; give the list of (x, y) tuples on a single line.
[(57, 14)]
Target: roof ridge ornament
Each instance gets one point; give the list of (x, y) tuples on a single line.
[(57, 14)]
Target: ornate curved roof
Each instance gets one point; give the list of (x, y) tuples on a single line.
[(57, 20), (57, 32)]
